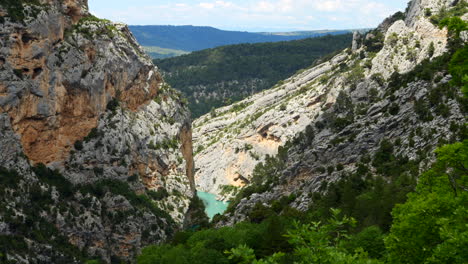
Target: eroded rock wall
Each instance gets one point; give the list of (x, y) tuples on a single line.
[(79, 95)]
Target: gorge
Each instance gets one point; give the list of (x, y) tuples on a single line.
[(359, 158)]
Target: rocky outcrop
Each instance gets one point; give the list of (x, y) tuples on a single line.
[(407, 46), (417, 9), (60, 71), (357, 40), (231, 143), (79, 95)]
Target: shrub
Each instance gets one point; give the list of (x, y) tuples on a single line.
[(78, 145), (113, 104), (421, 107), (54, 178), (339, 167), (158, 195), (427, 12), (94, 133), (458, 68), (394, 109), (431, 50), (374, 41)]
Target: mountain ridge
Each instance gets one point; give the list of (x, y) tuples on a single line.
[(194, 38), (214, 77)]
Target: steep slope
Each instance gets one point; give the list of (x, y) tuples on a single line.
[(214, 77), (79, 95), (391, 86), (193, 38)]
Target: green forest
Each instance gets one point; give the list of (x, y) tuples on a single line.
[(204, 76)]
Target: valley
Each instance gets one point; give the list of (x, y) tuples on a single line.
[(345, 148), (221, 76), (194, 38)]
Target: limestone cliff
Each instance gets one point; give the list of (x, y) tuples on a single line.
[(79, 95), (347, 105)]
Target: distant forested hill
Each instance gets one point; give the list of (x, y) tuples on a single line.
[(215, 77), (192, 38)]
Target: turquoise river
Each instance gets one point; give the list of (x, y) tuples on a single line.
[(212, 205)]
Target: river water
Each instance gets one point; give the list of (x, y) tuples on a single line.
[(212, 205)]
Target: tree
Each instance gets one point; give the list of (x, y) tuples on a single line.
[(431, 227), (312, 243)]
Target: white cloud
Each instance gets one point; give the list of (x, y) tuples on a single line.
[(328, 6), (207, 5), (285, 14)]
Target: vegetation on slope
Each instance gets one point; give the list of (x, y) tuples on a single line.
[(16, 11), (162, 53), (430, 227), (216, 77), (38, 205), (383, 218)]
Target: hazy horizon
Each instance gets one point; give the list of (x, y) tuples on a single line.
[(258, 31), (251, 15)]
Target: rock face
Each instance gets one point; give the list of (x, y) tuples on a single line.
[(349, 103), (407, 46), (417, 9), (60, 71), (79, 95)]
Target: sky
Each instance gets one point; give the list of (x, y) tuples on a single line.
[(250, 15)]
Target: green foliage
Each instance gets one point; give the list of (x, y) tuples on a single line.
[(431, 50), (370, 239), (30, 223), (54, 178), (342, 114), (374, 41), (426, 70), (455, 25), (209, 246), (78, 145), (431, 226), (253, 68), (18, 73), (113, 105), (162, 53), (165, 144), (142, 202), (264, 176), (427, 12), (16, 11), (394, 109), (104, 27), (94, 133), (8, 179), (444, 16), (239, 107), (458, 10), (458, 67), (158, 195), (421, 107), (318, 243), (312, 243), (198, 217), (355, 75), (228, 189)]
